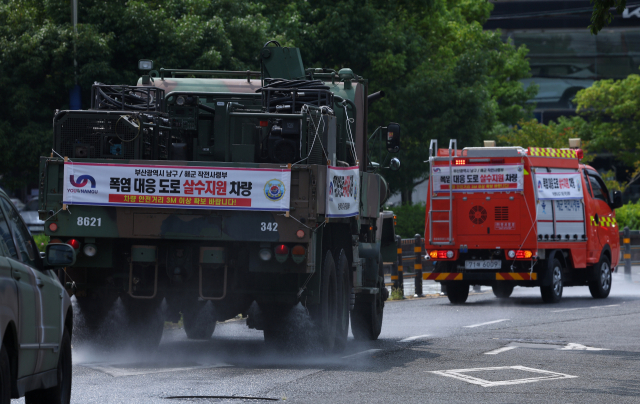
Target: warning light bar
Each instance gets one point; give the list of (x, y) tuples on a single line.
[(460, 162)]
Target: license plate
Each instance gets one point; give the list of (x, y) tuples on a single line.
[(484, 264)]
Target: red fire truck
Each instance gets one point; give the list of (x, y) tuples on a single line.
[(509, 216)]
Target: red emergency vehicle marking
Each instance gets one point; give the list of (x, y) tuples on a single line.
[(443, 276), (516, 276)]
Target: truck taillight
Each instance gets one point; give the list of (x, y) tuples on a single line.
[(74, 243), (441, 254), (282, 252), (298, 253), (53, 227), (520, 254), (460, 162)]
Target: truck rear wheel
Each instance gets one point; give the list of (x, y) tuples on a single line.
[(366, 316), (344, 296), (324, 314), (457, 292), (600, 285), (502, 290), (199, 320), (552, 293)]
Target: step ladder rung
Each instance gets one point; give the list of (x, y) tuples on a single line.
[(440, 221)]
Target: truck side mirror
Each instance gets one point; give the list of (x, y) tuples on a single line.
[(394, 165), (617, 200), (59, 255), (393, 137)]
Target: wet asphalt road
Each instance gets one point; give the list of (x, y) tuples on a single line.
[(517, 350)]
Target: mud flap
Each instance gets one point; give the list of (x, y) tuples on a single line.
[(370, 256)]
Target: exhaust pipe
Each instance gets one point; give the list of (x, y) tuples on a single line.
[(375, 97)]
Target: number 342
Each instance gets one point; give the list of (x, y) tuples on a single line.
[(268, 226)]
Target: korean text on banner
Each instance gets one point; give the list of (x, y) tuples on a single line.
[(343, 195), (177, 186), (559, 185), (503, 177)]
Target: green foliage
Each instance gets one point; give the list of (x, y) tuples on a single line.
[(396, 294), (531, 133), (629, 215), (444, 76), (41, 241), (410, 220), (611, 109), (601, 15)]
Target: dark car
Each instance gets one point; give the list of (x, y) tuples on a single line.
[(35, 315), (30, 216)]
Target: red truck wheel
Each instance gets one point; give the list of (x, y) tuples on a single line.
[(457, 292), (552, 293), (600, 285)]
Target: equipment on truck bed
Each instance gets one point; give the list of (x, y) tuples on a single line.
[(223, 195), (510, 216)]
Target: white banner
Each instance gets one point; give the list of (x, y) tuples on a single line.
[(481, 178), (559, 185), (176, 186), (343, 191)]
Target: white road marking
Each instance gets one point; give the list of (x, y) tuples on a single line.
[(602, 307), (560, 311), (460, 375), (120, 370), (577, 347), (361, 353), (414, 338), (500, 350), (487, 323), (585, 308)]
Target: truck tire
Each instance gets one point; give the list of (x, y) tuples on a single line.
[(457, 292), (5, 376), (344, 297), (366, 316), (502, 290), (600, 285), (61, 393), (552, 293), (324, 314), (199, 321)]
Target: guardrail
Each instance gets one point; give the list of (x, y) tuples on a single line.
[(411, 262)]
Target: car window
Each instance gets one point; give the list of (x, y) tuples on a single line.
[(24, 242), (7, 246), (598, 188)]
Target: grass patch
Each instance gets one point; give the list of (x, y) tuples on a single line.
[(396, 294)]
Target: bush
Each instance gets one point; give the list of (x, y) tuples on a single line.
[(629, 215), (410, 220), (41, 241)]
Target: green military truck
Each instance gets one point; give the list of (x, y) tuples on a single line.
[(200, 186)]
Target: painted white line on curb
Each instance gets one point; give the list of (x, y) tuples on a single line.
[(414, 338), (460, 375), (487, 323), (500, 350), (361, 353)]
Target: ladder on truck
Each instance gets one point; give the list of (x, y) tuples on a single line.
[(433, 157)]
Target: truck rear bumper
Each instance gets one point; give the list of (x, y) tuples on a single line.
[(472, 277)]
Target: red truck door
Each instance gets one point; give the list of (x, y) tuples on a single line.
[(601, 215)]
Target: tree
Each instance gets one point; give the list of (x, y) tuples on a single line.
[(36, 58), (601, 15), (443, 75)]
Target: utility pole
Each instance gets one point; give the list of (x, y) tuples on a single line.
[(74, 95)]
